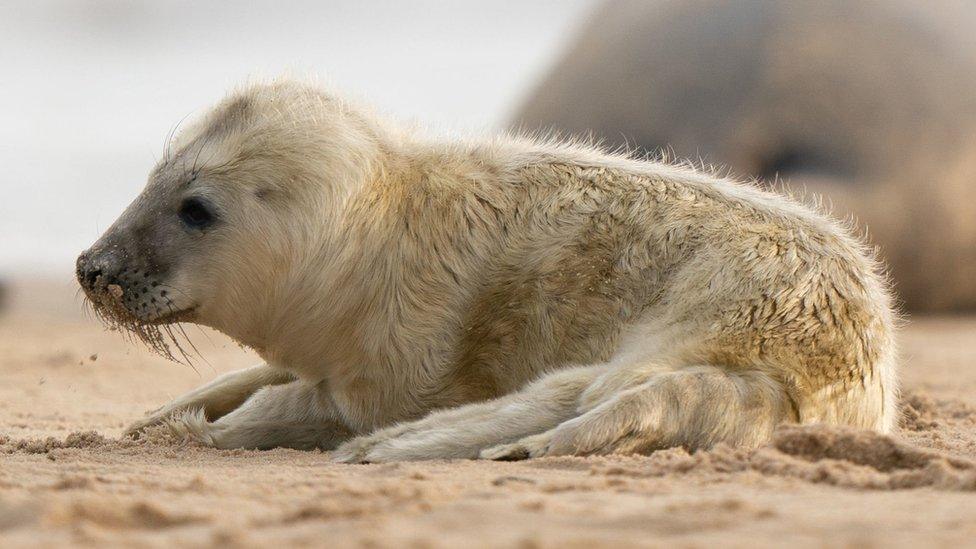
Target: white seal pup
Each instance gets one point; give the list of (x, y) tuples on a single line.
[(501, 298)]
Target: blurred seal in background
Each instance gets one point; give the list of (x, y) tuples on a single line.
[(871, 105)]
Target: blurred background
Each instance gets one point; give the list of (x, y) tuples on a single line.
[(871, 104), (91, 89)]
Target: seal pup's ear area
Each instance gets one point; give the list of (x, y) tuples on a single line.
[(231, 115), (245, 106), (263, 193), (278, 104)]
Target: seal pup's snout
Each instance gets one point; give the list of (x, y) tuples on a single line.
[(87, 271), (126, 294), (96, 269)]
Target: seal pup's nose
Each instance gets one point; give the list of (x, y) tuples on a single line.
[(95, 271), (87, 271)]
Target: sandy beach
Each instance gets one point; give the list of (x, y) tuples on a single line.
[(68, 387)]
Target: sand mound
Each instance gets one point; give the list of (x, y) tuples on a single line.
[(819, 454), (85, 439), (867, 460), (881, 452)]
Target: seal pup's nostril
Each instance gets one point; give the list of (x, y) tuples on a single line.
[(91, 277), (86, 272), (91, 273)]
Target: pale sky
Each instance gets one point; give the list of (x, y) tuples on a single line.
[(89, 90)]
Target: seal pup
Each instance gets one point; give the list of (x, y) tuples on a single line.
[(501, 298)]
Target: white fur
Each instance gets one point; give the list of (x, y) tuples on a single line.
[(547, 298)]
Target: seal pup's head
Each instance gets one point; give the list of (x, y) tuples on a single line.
[(241, 201)]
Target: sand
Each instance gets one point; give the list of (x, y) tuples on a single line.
[(67, 388)]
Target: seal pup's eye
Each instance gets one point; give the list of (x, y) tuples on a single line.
[(194, 213)]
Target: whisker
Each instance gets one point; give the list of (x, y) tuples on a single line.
[(168, 145), (196, 158), (185, 357), (179, 326)]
